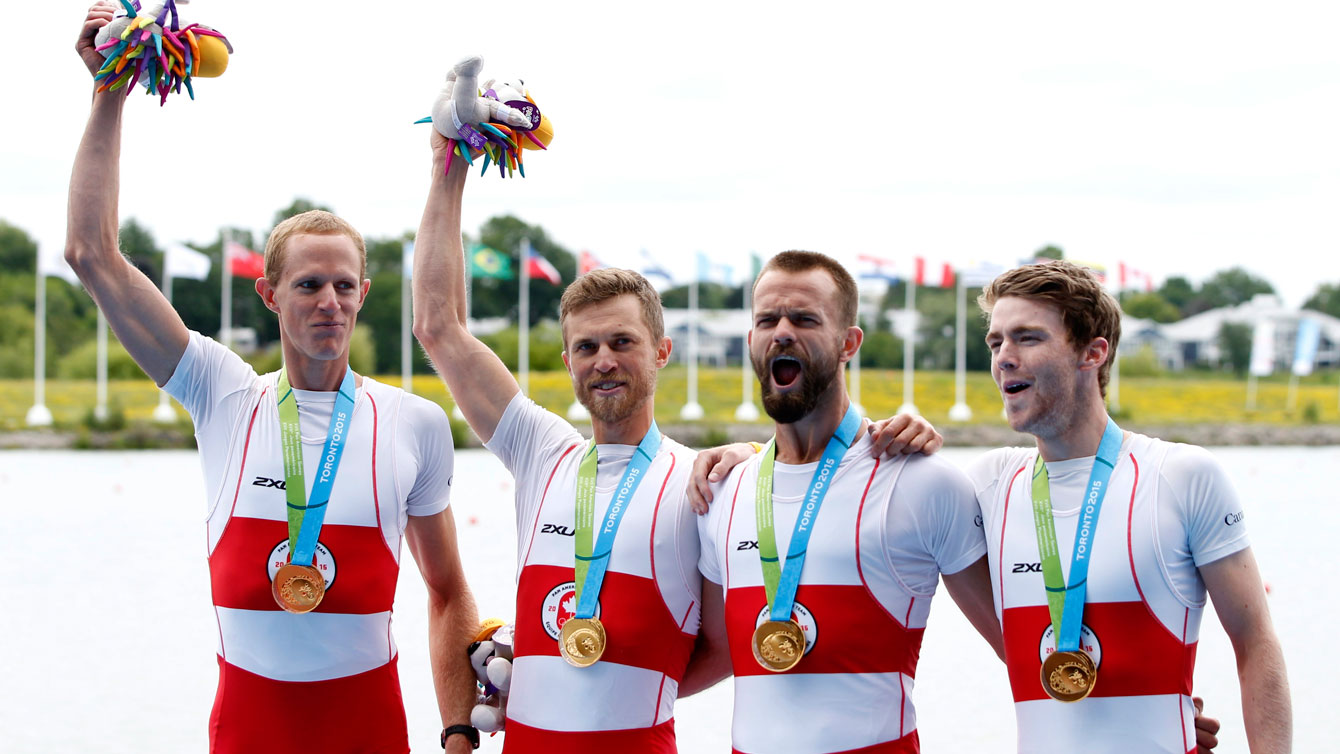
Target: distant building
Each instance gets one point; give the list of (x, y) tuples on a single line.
[(1195, 340), (721, 335)]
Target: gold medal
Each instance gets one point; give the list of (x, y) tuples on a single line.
[(1069, 676), (298, 588), (581, 641), (778, 645)]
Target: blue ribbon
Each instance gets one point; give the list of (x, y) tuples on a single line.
[(1072, 615), (325, 472)]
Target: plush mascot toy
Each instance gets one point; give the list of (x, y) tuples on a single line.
[(491, 657), (499, 121), (152, 48)]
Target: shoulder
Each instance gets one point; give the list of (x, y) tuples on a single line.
[(931, 481), (986, 470)]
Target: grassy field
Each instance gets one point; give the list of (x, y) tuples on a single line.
[(1182, 399)]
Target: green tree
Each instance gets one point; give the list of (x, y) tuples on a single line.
[(498, 298), (1049, 252), (1325, 300), (137, 243), (1235, 342), (298, 206), (1179, 292), (18, 250), (1149, 306), (1232, 287), (710, 296)]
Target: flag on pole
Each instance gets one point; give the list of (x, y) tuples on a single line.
[(539, 267), (586, 261), (714, 272), (1305, 347), (652, 268), (490, 263), (980, 274), (877, 268), (1129, 277), (1099, 270), (932, 274), (1263, 348), (243, 262), (181, 261)]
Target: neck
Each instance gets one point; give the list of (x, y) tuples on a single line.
[(804, 441), (1080, 438), (627, 431), (314, 374)]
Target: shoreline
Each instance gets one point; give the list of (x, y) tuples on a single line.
[(1228, 434)]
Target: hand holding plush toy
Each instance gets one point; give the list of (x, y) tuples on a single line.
[(491, 657), (153, 49), (498, 121)]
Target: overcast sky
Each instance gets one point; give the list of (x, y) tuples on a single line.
[(1181, 138)]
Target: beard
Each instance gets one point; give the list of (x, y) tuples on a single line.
[(638, 388), (816, 379)]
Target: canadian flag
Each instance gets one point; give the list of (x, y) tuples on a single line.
[(1129, 277), (586, 261), (932, 273), (243, 262)]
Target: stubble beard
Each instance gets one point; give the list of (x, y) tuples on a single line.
[(791, 407)]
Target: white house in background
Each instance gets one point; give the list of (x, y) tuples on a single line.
[(721, 335), (1196, 338)]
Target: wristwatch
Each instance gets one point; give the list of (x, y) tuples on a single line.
[(469, 731)]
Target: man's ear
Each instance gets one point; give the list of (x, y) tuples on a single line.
[(267, 294), (1095, 354), (566, 363), (663, 351), (851, 343), (363, 294)]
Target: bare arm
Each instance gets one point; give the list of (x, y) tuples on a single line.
[(141, 317), (971, 591), (710, 662), (478, 380), (452, 618), (1234, 583)]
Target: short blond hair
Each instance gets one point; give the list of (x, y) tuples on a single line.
[(1087, 310), (607, 283), (316, 222)]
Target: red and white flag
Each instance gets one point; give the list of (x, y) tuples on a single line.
[(931, 273), (539, 267), (586, 261), (1128, 277), (243, 262)]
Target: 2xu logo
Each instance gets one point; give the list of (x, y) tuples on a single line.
[(747, 545), (263, 482), (566, 531), (1027, 568)]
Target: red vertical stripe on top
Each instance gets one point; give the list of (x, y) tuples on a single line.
[(1004, 518), (730, 523)]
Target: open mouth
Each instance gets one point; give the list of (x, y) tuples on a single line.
[(1015, 387), (785, 370)]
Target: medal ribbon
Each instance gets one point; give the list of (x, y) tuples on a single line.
[(303, 529), (1066, 602), (591, 562), (781, 581)]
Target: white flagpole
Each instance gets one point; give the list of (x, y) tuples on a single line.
[(747, 411), (692, 411), (226, 300), (960, 412), (163, 412), (909, 344), (100, 407), (39, 415), (523, 326)]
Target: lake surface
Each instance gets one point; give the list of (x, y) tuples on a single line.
[(107, 637)]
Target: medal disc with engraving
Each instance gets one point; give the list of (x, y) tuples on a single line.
[(298, 588), (1068, 676), (778, 645), (581, 641)]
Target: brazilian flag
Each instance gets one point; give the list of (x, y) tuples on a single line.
[(489, 263)]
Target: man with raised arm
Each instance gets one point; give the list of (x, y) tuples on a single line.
[(608, 591), (313, 475), (1103, 544), (819, 561)]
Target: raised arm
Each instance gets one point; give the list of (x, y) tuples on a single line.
[(479, 382), (1234, 583), (143, 320)]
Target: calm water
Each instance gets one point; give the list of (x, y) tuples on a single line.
[(107, 638)]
